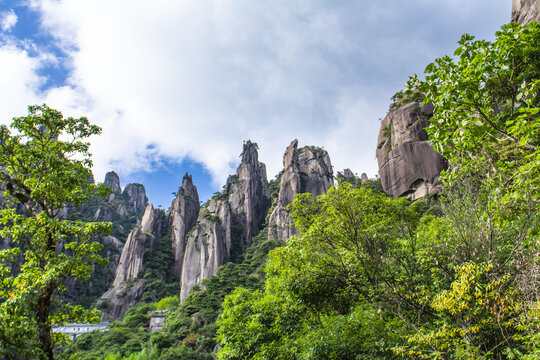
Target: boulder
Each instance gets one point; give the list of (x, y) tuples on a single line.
[(305, 170), (408, 165)]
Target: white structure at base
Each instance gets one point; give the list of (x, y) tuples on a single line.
[(74, 330)]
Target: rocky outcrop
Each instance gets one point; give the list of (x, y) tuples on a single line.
[(135, 197), (408, 165), (248, 193), (182, 217), (127, 289), (307, 169), (208, 246), (229, 222), (525, 11), (130, 202), (112, 180)]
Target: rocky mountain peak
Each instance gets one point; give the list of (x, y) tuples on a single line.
[(208, 246), (112, 180), (307, 169), (182, 216), (248, 191), (135, 194), (127, 289)]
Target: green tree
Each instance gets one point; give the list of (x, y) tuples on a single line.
[(487, 109), (45, 171), (331, 292)]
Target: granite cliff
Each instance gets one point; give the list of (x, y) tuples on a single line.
[(228, 223), (525, 11), (182, 216), (307, 169), (127, 288), (408, 165)]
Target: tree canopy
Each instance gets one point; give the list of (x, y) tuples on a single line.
[(45, 172)]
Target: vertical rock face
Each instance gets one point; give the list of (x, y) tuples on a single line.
[(248, 191), (127, 289), (408, 165), (112, 180), (131, 201), (307, 169), (181, 219), (525, 11), (208, 246), (135, 195), (228, 223)]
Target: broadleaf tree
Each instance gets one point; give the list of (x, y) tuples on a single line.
[(45, 173)]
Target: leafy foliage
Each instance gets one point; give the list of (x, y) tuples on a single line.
[(44, 166)]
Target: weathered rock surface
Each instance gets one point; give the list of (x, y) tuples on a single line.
[(135, 195), (228, 223), (307, 169), (525, 11), (248, 193), (408, 165), (127, 289), (182, 216), (208, 246), (131, 201), (112, 180)]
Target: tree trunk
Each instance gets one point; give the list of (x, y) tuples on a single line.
[(44, 327)]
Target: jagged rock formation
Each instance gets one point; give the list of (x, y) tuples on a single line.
[(135, 196), (228, 223), (408, 165), (307, 169), (112, 180), (132, 201), (208, 246), (182, 217), (346, 175), (248, 191), (525, 11), (127, 289)]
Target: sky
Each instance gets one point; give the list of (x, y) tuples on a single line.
[(178, 86)]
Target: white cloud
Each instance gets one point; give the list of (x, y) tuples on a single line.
[(8, 19), (196, 78)]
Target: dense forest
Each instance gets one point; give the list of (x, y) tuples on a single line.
[(450, 276)]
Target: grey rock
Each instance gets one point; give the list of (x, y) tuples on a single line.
[(364, 177), (307, 169), (248, 191), (208, 246), (182, 216), (525, 11), (408, 165), (112, 180), (135, 194), (240, 211), (126, 288)]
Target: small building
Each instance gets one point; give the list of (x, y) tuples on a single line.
[(157, 318), (74, 330)]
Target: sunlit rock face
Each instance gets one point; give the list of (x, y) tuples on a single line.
[(248, 194), (408, 165), (228, 223), (127, 289), (305, 170), (182, 217), (525, 11), (207, 247)]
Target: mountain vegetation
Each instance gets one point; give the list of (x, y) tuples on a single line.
[(45, 171), (454, 275)]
